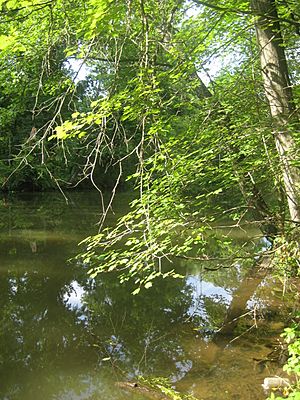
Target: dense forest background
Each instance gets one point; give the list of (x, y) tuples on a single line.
[(129, 83)]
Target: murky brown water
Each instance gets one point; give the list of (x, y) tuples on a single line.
[(64, 336)]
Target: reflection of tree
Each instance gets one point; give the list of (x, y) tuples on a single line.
[(224, 364), (49, 346), (41, 335), (140, 333), (241, 297), (35, 322), (49, 212)]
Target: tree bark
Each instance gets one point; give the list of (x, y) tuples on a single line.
[(278, 92)]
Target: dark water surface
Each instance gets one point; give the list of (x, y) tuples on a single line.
[(64, 336)]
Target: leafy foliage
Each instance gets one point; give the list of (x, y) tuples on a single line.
[(292, 336)]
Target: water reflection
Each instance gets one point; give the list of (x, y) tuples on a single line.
[(74, 296), (65, 336)]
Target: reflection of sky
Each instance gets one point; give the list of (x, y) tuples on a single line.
[(182, 368), (200, 289), (207, 289), (74, 297), (259, 302)]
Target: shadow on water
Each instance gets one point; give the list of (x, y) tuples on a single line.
[(64, 336)]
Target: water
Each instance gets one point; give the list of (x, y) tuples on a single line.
[(64, 336)]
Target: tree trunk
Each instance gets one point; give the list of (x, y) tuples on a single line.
[(279, 95)]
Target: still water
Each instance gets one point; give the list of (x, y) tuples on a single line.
[(66, 337)]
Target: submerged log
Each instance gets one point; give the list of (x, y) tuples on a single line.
[(142, 389)]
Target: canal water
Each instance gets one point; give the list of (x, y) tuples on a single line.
[(64, 336)]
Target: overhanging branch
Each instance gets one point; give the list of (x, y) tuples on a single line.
[(244, 12)]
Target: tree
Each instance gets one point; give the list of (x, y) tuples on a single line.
[(186, 182), (277, 87), (37, 88)]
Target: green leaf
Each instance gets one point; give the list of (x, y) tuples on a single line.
[(136, 291), (5, 41)]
